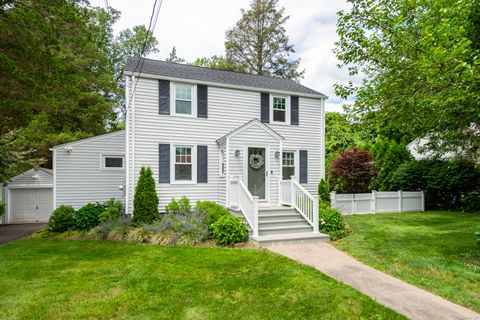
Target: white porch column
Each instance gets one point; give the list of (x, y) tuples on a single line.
[(255, 216), (315, 214)]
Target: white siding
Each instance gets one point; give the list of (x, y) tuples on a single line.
[(255, 136), (227, 110), (31, 178), (79, 175)]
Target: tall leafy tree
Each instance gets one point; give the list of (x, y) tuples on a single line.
[(420, 61), (218, 62), (172, 57), (259, 42), (62, 73)]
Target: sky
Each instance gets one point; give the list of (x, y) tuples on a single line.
[(197, 29)]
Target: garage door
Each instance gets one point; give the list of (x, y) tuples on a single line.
[(31, 205)]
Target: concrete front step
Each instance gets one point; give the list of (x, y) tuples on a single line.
[(266, 231), (292, 238), (281, 217), (297, 222)]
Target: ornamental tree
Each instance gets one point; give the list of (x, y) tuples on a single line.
[(353, 171), (145, 200)]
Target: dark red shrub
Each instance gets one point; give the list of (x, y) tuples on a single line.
[(352, 171)]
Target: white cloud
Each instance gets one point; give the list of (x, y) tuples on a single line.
[(197, 29)]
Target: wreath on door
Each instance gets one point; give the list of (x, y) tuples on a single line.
[(256, 161)]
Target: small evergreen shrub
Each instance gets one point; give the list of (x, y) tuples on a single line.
[(2, 208), (212, 210), (228, 230), (331, 223), (470, 202), (145, 200), (110, 214), (324, 191), (62, 219), (88, 216), (178, 207)]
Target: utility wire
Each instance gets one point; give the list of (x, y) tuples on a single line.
[(141, 62)]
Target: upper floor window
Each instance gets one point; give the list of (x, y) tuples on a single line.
[(183, 99), (280, 109)]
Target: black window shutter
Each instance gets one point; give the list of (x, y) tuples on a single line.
[(202, 101), (164, 163), (294, 110), (265, 107), (202, 164), (163, 97), (303, 166)]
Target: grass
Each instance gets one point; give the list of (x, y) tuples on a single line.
[(432, 250), (62, 279)]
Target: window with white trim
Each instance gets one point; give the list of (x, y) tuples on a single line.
[(113, 162), (280, 109), (183, 99), (288, 165), (183, 163)]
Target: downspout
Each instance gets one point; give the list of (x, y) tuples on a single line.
[(127, 145)]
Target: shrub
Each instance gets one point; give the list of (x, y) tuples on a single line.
[(145, 200), (138, 235), (324, 191), (470, 202), (110, 214), (443, 181), (212, 210), (331, 223), (2, 208), (192, 225), (119, 233), (88, 216), (164, 238), (388, 155), (62, 219), (228, 230), (353, 171), (180, 206)]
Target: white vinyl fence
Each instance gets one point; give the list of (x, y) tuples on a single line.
[(378, 201)]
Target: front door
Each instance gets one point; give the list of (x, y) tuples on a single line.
[(256, 163)]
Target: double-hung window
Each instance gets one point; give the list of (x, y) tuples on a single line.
[(183, 99), (288, 165), (280, 109), (183, 163)]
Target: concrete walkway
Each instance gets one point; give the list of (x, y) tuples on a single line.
[(404, 298), (10, 232)]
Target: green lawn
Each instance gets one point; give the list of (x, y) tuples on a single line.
[(61, 279), (432, 250)]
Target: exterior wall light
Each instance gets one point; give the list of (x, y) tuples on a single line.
[(237, 153), (277, 154)]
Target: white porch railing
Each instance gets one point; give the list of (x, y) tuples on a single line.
[(292, 193), (241, 198)]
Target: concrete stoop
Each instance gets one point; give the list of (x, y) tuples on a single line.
[(290, 238)]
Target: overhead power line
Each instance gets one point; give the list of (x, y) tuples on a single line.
[(141, 62)]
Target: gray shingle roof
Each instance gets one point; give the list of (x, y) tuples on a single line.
[(183, 71)]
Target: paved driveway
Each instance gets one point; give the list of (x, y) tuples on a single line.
[(10, 232)]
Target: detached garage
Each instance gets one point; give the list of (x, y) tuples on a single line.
[(29, 196)]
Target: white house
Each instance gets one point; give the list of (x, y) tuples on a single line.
[(249, 142)]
